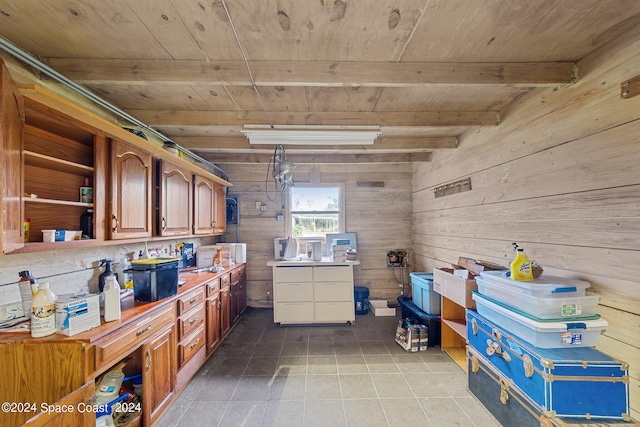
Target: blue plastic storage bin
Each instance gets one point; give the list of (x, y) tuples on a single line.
[(423, 295)]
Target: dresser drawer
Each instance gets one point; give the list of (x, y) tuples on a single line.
[(188, 347), (285, 292), (334, 311), (337, 273), (225, 281), (293, 274), (190, 321), (190, 300), (129, 337), (237, 273), (212, 287), (293, 312), (333, 291)]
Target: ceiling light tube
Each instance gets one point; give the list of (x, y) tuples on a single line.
[(313, 135)]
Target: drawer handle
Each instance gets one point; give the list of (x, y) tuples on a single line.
[(195, 344), (115, 225), (148, 356), (164, 223), (142, 331), (194, 320), (193, 300), (494, 348)]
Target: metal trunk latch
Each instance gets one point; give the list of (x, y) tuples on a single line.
[(504, 391)]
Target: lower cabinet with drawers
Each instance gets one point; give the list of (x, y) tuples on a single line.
[(166, 341), (313, 292)]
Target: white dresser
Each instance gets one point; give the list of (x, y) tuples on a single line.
[(306, 292)]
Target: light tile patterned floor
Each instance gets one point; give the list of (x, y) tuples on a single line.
[(267, 375)]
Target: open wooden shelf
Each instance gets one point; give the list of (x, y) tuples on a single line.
[(57, 202), (453, 334), (43, 161)]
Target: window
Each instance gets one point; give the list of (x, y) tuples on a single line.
[(315, 211)]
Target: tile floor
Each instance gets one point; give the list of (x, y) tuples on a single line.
[(267, 375)]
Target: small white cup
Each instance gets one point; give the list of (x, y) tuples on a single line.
[(48, 235)]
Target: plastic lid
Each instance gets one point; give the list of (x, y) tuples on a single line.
[(546, 282)]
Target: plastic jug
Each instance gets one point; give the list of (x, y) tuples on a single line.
[(521, 266), (43, 312), (111, 299)]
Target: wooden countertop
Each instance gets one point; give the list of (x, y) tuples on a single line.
[(132, 311)]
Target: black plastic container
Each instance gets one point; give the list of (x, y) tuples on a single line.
[(414, 314), (154, 278)]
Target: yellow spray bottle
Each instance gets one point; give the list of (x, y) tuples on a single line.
[(521, 266)]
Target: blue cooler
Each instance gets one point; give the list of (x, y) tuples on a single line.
[(423, 295)]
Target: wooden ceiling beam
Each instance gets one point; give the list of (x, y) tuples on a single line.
[(221, 144), (167, 118), (263, 158), (93, 71)]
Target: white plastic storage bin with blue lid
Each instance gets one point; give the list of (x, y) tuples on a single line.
[(561, 305), (551, 334), (422, 293)]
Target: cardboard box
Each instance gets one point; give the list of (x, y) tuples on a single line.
[(455, 288), (67, 235), (408, 335), (381, 308), (77, 314), (204, 257), (423, 333)]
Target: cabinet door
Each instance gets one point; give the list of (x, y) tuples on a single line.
[(235, 301), (175, 201), (159, 374), (220, 209), (11, 162), (130, 191), (225, 311), (213, 322), (204, 205), (242, 294)]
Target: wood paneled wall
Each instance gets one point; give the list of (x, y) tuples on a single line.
[(380, 217), (561, 177)]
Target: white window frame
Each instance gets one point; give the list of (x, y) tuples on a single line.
[(341, 213)]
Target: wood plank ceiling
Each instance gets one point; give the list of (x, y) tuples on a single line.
[(424, 71)]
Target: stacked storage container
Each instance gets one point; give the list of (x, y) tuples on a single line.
[(549, 312), (532, 340)]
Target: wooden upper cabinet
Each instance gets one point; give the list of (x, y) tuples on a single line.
[(11, 176), (175, 201), (131, 183), (210, 209), (220, 216), (204, 205)]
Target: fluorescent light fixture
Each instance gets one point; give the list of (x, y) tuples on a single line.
[(311, 135)]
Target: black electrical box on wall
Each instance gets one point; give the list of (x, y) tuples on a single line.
[(233, 210)]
